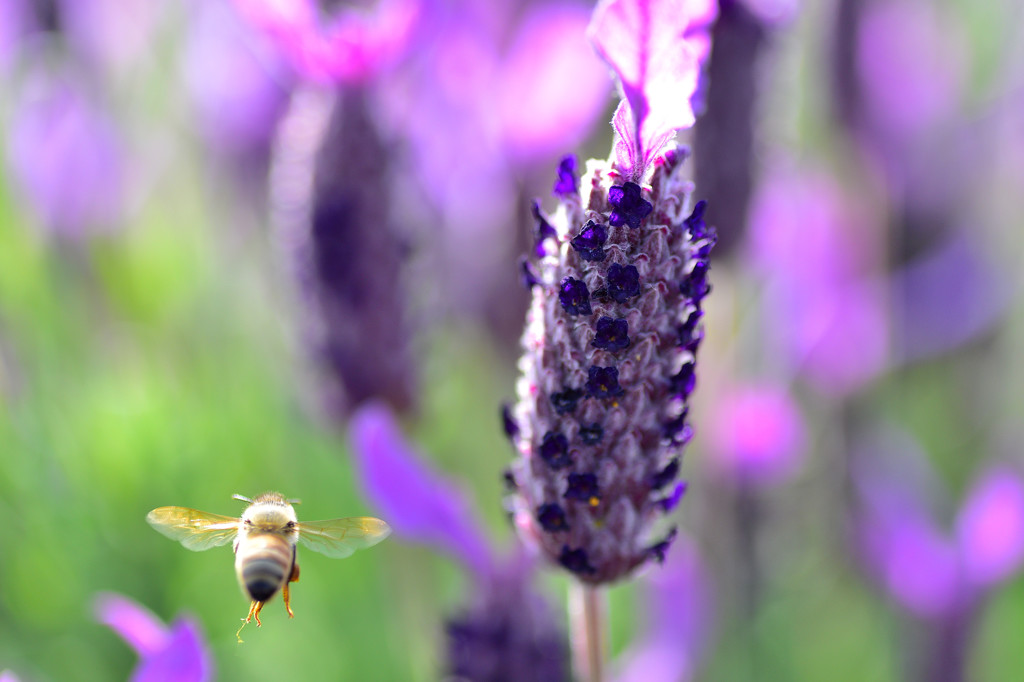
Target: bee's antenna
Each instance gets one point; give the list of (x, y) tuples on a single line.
[(243, 498)]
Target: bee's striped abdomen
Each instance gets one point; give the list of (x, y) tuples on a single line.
[(263, 563)]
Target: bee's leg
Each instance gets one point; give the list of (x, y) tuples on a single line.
[(287, 595), (254, 612)]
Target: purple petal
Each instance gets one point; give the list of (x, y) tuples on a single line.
[(183, 659), (644, 42), (541, 117), (901, 544), (349, 47), (419, 504), (8, 676), (990, 528), (136, 625), (680, 606)]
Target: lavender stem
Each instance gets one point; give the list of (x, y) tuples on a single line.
[(587, 627)]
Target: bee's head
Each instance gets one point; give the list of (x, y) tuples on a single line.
[(270, 512)]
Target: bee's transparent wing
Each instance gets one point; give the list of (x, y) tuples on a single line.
[(196, 530), (338, 538)]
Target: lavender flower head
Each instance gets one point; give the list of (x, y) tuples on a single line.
[(614, 324)]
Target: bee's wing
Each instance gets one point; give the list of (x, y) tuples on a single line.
[(196, 530), (338, 538)]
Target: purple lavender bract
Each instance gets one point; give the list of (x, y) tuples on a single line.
[(591, 509)]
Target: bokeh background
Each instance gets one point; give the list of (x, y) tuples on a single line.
[(856, 500)]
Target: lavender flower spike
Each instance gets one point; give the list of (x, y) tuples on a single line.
[(627, 360)]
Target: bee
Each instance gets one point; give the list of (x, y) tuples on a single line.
[(265, 539)]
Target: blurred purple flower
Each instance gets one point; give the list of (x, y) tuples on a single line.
[(110, 36), (511, 102), (238, 82), (507, 633), (937, 316), (64, 152), (818, 254), (679, 613), (932, 573), (16, 21), (419, 504), (350, 46), (990, 527), (8, 676), (338, 232), (912, 67), (175, 654), (757, 435)]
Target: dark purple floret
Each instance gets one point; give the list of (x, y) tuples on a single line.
[(695, 285), (591, 434), (603, 382), (555, 450), (666, 475), (589, 243), (566, 183), (508, 423), (623, 282), (628, 206), (677, 431), (611, 334), (551, 518), (575, 560), (690, 333), (660, 549), (583, 487), (574, 296), (544, 229), (565, 401), (530, 278), (671, 501), (698, 228), (683, 382)]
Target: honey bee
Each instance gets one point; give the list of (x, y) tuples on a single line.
[(265, 539)]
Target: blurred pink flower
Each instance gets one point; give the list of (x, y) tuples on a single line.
[(350, 46), (757, 434), (990, 527)]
